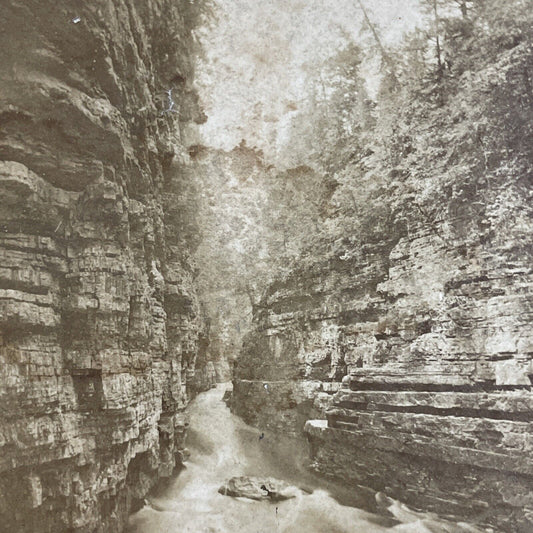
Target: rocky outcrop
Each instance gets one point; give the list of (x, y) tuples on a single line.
[(408, 343), (251, 217), (99, 322), (256, 488)]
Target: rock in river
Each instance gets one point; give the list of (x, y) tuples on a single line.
[(258, 488)]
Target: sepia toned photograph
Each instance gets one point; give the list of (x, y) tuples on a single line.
[(266, 266)]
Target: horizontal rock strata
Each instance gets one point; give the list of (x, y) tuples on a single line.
[(435, 406), (409, 345), (99, 322)]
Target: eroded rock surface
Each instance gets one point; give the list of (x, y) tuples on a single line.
[(99, 322)]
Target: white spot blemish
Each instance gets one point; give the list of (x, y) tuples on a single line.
[(171, 103)]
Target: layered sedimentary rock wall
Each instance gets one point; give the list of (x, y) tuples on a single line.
[(100, 326), (411, 342), (434, 342)]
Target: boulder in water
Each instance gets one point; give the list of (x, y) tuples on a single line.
[(258, 488)]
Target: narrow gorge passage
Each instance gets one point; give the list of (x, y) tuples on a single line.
[(327, 204), (221, 447)]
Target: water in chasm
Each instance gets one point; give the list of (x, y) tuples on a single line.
[(223, 446)]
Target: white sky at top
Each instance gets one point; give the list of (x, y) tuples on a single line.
[(256, 54)]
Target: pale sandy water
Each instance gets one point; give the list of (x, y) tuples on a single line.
[(223, 446)]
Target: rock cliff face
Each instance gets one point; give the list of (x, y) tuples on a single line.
[(411, 338), (99, 322)]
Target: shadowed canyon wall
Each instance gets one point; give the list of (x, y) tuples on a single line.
[(100, 326)]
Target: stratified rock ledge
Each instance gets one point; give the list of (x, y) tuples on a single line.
[(100, 325)]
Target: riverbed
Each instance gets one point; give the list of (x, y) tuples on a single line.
[(223, 446)]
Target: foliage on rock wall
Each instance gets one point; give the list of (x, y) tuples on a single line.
[(449, 135)]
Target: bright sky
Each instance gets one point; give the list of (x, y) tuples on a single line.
[(256, 53)]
